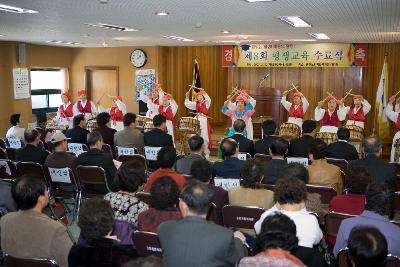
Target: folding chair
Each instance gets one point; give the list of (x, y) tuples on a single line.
[(120, 150), (91, 175), (212, 214), (332, 224), (397, 168), (144, 197), (34, 262), (77, 148), (106, 149), (303, 161), (147, 244), (11, 153), (31, 168), (226, 183), (241, 216), (151, 156), (341, 163), (3, 144), (326, 192), (136, 157), (397, 200), (50, 146), (9, 169), (263, 158), (343, 259), (392, 261)]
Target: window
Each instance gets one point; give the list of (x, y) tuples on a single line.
[(46, 88)]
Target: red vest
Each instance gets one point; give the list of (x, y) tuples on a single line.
[(167, 113), (156, 101), (116, 114), (86, 109), (330, 120), (398, 122), (202, 108), (359, 116), (66, 112), (296, 113)]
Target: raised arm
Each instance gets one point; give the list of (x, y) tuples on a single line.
[(121, 106), (392, 115), (208, 100), (305, 103), (286, 104), (319, 112), (366, 106), (174, 106)]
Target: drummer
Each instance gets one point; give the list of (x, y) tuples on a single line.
[(357, 112), (117, 112), (329, 118), (393, 116), (243, 111), (201, 107), (297, 109), (84, 106), (152, 99), (65, 113)]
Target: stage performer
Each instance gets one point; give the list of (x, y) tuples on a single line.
[(356, 113), (329, 118), (297, 109), (243, 111), (117, 112), (84, 106), (393, 116), (201, 107), (65, 112), (152, 99)]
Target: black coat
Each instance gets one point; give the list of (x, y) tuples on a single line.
[(342, 150), (245, 145), (262, 146), (31, 153), (229, 168), (300, 147), (273, 170), (77, 135), (157, 138)]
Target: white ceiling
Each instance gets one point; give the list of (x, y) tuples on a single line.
[(343, 20)]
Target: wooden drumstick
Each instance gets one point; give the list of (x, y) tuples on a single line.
[(347, 94), (197, 113), (396, 94)]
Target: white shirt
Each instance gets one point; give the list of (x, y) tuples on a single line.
[(87, 115), (319, 114), (121, 106), (392, 115), (345, 110), (192, 104), (286, 104), (308, 231), (16, 132)]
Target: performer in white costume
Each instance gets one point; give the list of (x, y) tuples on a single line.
[(117, 112)]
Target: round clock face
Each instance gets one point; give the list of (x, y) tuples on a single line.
[(138, 58)]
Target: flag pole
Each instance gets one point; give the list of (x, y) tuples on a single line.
[(376, 109)]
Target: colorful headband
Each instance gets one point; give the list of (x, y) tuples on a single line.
[(119, 98), (67, 95), (297, 94), (81, 92)]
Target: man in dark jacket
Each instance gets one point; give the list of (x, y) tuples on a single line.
[(230, 167), (341, 149), (245, 145), (275, 167), (103, 127), (31, 152), (262, 146), (78, 133), (300, 147)]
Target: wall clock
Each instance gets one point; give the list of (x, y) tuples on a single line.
[(138, 58)]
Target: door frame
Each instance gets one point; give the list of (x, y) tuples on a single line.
[(88, 69)]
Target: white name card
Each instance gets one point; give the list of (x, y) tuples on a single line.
[(60, 175), (242, 156), (302, 161), (14, 142), (226, 183), (151, 152), (126, 151), (75, 147)]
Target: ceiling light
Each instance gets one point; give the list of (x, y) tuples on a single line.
[(112, 27), (172, 37), (225, 31), (295, 21), (254, 1), (14, 9), (162, 13), (320, 36), (63, 42)]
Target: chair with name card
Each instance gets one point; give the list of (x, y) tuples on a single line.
[(303, 161), (332, 224), (226, 183), (11, 261), (125, 151), (241, 216), (14, 142), (77, 148), (91, 176), (31, 168), (136, 157), (244, 156), (151, 153), (144, 197), (147, 244), (106, 149), (263, 158), (8, 170)]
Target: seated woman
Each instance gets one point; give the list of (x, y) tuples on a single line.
[(163, 201), (96, 246), (357, 180)]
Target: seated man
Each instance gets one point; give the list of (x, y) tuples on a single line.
[(320, 171), (262, 146), (341, 149), (130, 136), (31, 152), (245, 145), (230, 167), (103, 120), (28, 233), (209, 244), (196, 145), (15, 131), (166, 159), (94, 157), (273, 169), (376, 213), (41, 122), (78, 133), (300, 147)]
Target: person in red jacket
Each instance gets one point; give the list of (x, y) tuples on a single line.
[(297, 109), (168, 109), (117, 112), (330, 117), (65, 112), (84, 106), (357, 112)]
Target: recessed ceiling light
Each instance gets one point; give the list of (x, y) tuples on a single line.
[(320, 36), (14, 9), (162, 13), (172, 37), (295, 21), (254, 1), (63, 42), (112, 27), (225, 31)]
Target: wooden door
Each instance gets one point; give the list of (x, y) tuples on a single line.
[(100, 83)]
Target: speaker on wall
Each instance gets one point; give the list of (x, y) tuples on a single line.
[(21, 53)]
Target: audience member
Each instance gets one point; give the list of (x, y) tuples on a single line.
[(15, 131), (94, 157), (262, 146), (357, 180), (164, 198), (379, 170), (196, 145), (150, 261), (230, 167), (300, 147), (320, 171), (41, 121), (103, 120), (341, 149), (78, 134), (367, 247), (129, 177), (290, 195), (273, 169), (31, 152), (166, 159), (376, 213), (209, 244), (130, 136), (7, 203), (96, 245), (245, 145), (28, 233)]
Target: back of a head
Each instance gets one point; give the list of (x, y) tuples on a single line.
[(309, 126), (343, 134), (14, 119), (150, 261), (318, 149), (164, 193), (251, 172), (26, 191), (372, 145), (195, 142), (103, 118), (166, 157), (158, 120), (279, 146), (197, 196), (289, 190), (357, 179), (296, 170), (239, 126), (269, 127), (93, 137), (367, 247), (77, 119), (278, 231), (129, 118), (228, 147), (30, 135), (201, 170), (41, 119), (379, 199), (130, 176), (96, 218)]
